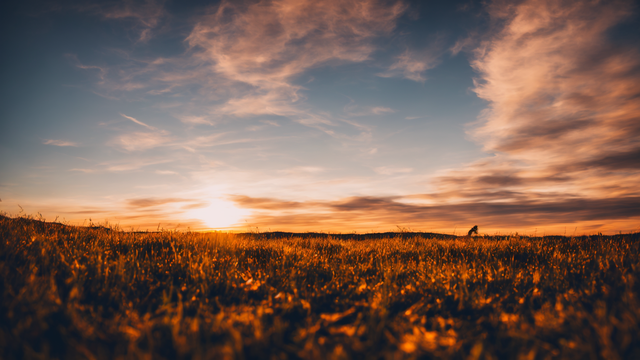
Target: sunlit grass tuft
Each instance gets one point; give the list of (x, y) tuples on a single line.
[(73, 292)]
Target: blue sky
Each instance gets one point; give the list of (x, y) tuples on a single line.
[(323, 115)]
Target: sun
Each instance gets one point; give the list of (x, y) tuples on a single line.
[(219, 214)]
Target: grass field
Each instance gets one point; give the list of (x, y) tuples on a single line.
[(96, 293)]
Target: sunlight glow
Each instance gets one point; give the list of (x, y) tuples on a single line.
[(220, 214)]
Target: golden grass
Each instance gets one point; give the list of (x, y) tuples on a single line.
[(72, 292)]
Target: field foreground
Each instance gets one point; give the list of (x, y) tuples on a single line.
[(95, 293)]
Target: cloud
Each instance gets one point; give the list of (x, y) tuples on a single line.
[(464, 44), (381, 110), (411, 65), (138, 122), (139, 141), (60, 143), (166, 172), (264, 45), (624, 160), (124, 165), (195, 120), (270, 122), (248, 202), (368, 212), (146, 14), (150, 202), (86, 171), (196, 205), (563, 110), (129, 165), (102, 71), (353, 110)]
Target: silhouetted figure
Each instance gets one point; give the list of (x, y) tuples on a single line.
[(474, 230)]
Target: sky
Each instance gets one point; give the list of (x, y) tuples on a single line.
[(333, 115)]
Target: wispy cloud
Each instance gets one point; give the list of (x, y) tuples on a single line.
[(60, 143), (270, 122), (152, 202), (195, 120), (138, 122), (466, 43), (124, 165), (166, 172), (412, 65), (354, 110), (102, 71), (146, 14), (138, 141)]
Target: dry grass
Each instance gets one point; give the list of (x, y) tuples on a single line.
[(71, 292)]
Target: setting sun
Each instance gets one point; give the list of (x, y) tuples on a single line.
[(218, 215)]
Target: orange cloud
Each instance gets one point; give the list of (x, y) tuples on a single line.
[(139, 141), (412, 65), (266, 44), (151, 202), (366, 213), (60, 143), (563, 110)]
